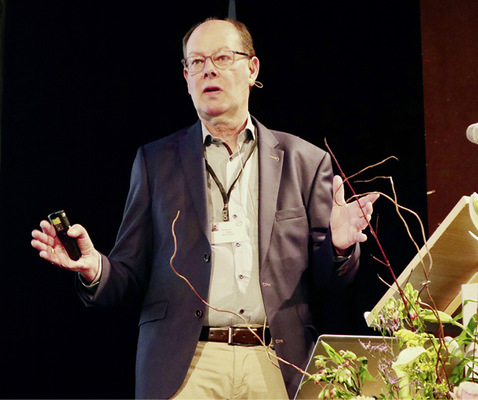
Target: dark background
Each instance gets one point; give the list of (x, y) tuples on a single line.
[(86, 83)]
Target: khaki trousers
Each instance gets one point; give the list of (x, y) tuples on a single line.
[(221, 371)]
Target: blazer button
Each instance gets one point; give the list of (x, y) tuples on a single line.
[(207, 257), (198, 314)]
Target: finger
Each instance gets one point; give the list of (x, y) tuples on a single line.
[(43, 237), (367, 209), (39, 245), (363, 210), (49, 231), (45, 252), (369, 198), (338, 188), (47, 228), (360, 237), (36, 234), (45, 245), (359, 223), (55, 255), (362, 223), (47, 255)]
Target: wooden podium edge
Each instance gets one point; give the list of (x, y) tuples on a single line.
[(456, 302), (416, 262)]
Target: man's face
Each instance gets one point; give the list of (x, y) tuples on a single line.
[(220, 92)]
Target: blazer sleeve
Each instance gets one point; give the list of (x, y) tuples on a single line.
[(328, 271)]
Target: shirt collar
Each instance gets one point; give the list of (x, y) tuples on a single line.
[(248, 133)]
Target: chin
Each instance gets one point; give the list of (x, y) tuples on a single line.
[(212, 112)]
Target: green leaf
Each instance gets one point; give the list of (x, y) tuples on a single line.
[(472, 324), (465, 337), (458, 373), (364, 373), (429, 316), (336, 357)]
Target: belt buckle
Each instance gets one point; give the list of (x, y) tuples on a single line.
[(230, 331), (229, 336)]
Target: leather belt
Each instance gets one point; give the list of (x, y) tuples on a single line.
[(234, 335)]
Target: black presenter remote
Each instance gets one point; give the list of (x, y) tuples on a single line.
[(61, 224)]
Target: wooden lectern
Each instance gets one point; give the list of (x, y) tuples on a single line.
[(454, 255)]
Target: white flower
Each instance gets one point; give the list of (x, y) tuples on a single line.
[(466, 391)]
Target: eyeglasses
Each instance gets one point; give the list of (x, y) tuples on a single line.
[(221, 59)]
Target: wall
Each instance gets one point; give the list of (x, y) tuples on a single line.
[(450, 81)]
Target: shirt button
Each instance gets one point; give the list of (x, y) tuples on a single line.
[(207, 257), (241, 311), (241, 276), (234, 216), (230, 158), (198, 314), (238, 245)]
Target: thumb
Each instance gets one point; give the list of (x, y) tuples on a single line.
[(79, 233), (339, 192)]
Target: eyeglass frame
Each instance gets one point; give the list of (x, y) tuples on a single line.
[(234, 53)]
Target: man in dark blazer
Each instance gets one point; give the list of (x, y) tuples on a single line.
[(306, 242)]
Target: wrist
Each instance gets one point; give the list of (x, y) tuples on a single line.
[(93, 275), (341, 252), (338, 252)]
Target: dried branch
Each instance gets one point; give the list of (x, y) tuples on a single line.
[(247, 324)]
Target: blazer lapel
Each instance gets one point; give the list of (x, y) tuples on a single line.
[(191, 152), (270, 170)]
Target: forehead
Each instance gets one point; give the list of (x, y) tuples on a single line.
[(212, 36)]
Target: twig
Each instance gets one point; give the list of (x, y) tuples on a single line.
[(386, 262), (248, 326)]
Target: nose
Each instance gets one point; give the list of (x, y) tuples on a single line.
[(209, 67)]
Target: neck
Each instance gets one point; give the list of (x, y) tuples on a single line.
[(226, 130)]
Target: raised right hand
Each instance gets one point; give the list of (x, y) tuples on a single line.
[(50, 248)]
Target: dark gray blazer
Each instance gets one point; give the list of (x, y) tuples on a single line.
[(295, 250)]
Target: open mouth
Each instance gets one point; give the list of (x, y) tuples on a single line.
[(212, 89)]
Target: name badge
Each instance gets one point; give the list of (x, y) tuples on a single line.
[(227, 232)]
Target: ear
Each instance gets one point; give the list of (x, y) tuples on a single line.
[(185, 74), (253, 69)]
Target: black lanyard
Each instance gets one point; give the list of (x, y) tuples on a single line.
[(227, 195)]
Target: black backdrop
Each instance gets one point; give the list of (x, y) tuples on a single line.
[(86, 83)]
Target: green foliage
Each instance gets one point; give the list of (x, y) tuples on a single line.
[(341, 375), (434, 366), (426, 367)]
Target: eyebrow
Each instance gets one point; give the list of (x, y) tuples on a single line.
[(197, 53)]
